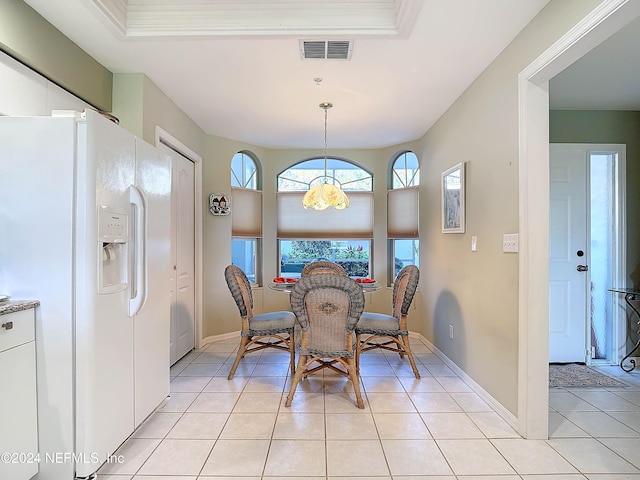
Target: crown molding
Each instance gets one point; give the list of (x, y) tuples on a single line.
[(174, 18)]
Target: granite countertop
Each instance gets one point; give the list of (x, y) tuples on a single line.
[(13, 306)]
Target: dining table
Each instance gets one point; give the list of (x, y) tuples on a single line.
[(285, 284)]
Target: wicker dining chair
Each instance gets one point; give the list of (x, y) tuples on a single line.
[(375, 326), (267, 330), (322, 266), (327, 308)]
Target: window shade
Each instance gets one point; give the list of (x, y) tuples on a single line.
[(402, 213), (246, 212), (294, 221)]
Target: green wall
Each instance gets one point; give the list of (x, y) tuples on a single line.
[(32, 40), (605, 126), (141, 106)]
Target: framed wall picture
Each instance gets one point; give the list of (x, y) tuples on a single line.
[(220, 204), (453, 199)]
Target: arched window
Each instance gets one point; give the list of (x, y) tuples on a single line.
[(403, 212), (342, 236), (306, 174), (246, 213), (244, 172), (405, 171)]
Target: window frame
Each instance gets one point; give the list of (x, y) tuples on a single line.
[(250, 182), (358, 185), (407, 181), (256, 175), (347, 185), (347, 259)]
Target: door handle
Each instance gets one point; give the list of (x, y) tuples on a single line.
[(136, 303), (582, 268)]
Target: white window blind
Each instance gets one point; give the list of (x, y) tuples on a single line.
[(402, 213), (294, 221), (246, 212)]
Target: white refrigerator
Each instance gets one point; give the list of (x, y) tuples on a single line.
[(85, 229)]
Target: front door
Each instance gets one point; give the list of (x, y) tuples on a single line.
[(587, 251), (568, 253)]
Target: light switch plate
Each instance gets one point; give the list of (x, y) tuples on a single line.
[(510, 243), (474, 243)]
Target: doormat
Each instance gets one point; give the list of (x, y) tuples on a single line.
[(576, 375)]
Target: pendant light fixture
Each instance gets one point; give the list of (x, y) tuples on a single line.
[(325, 195)]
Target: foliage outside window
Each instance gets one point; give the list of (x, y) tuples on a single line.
[(245, 249), (352, 253), (405, 175)]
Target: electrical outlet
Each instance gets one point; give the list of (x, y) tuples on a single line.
[(510, 243), (450, 332)]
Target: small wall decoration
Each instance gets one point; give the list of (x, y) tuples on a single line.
[(453, 199), (220, 204)]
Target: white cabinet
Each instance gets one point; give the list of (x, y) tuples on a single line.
[(18, 403)]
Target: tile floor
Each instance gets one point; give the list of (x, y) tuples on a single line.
[(435, 428)]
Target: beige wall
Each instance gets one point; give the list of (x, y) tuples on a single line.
[(477, 292), (219, 312), (160, 110)]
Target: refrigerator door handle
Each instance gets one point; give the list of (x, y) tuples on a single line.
[(139, 251)]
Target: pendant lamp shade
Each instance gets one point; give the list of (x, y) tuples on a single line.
[(325, 195)]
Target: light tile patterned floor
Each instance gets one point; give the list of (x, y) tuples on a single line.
[(435, 428)]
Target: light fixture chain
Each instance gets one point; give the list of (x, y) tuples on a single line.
[(325, 144), (325, 195)]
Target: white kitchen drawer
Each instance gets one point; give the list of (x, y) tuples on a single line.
[(18, 329)]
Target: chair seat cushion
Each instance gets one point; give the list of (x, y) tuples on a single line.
[(378, 323), (272, 322)]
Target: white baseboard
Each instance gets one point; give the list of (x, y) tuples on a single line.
[(506, 415), (218, 338)]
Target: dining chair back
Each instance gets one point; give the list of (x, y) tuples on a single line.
[(266, 330), (322, 266), (391, 329), (327, 308)]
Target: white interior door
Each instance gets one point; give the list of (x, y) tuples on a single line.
[(568, 254), (183, 236)]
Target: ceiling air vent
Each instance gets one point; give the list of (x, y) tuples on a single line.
[(332, 49)]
